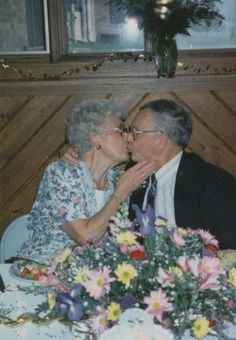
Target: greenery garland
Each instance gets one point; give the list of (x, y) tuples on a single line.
[(93, 67)]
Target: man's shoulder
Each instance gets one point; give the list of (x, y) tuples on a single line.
[(200, 167)]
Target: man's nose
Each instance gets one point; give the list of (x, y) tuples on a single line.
[(129, 137)]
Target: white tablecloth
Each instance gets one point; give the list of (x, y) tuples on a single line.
[(18, 302), (27, 302)]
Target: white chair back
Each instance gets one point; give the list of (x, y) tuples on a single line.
[(13, 237)]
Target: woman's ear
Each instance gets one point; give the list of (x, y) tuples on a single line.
[(96, 141)]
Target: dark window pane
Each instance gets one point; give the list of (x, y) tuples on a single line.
[(22, 26)]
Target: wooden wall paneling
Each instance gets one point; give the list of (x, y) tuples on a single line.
[(40, 147), (148, 96), (22, 200), (210, 148), (217, 117), (228, 99), (25, 124), (120, 84), (9, 106)]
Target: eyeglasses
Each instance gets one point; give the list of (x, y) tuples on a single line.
[(121, 129), (135, 132)]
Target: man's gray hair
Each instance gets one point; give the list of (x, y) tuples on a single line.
[(173, 119), (88, 118)]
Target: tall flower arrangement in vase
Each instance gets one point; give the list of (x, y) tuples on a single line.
[(164, 19)]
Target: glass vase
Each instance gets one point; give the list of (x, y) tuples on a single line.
[(166, 55)]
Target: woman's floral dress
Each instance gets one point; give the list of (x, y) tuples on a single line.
[(66, 193)]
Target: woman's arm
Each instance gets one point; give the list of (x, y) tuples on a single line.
[(81, 231)]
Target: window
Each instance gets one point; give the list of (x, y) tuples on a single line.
[(23, 27), (82, 28), (96, 26)]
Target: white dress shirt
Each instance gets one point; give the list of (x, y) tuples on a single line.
[(164, 202)]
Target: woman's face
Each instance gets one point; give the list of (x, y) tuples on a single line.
[(113, 143)]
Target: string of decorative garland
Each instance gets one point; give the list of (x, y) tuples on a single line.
[(27, 317), (28, 75)]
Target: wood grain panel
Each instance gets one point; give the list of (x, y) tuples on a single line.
[(227, 99), (22, 201), (9, 106), (25, 124), (41, 146)]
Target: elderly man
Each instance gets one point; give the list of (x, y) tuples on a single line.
[(189, 192), (186, 190)]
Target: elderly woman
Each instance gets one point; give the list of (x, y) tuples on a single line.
[(75, 202)]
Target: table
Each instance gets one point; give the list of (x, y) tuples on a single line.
[(21, 302)]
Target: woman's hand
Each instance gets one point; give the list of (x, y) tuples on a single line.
[(69, 154), (132, 178)]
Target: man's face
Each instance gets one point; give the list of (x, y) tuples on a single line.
[(144, 145)]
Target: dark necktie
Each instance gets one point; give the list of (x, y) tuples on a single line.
[(151, 195)]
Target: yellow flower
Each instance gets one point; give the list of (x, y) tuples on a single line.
[(114, 311), (232, 277), (175, 271), (81, 275), (102, 320), (182, 231), (51, 301), (64, 256), (160, 222), (126, 238), (125, 273), (200, 327)]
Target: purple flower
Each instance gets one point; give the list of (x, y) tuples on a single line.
[(127, 301), (76, 290), (146, 220), (68, 305)]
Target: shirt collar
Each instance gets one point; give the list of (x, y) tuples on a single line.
[(169, 169)]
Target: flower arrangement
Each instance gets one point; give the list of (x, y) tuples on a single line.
[(173, 274), (167, 18)]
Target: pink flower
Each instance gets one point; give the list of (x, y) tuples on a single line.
[(99, 323), (183, 263), (209, 282), (124, 249), (98, 283), (195, 267), (164, 277), (157, 304), (230, 304), (207, 238), (210, 265), (178, 239)]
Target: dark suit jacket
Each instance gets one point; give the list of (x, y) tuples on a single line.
[(205, 197)]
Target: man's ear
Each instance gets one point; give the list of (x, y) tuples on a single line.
[(162, 140)]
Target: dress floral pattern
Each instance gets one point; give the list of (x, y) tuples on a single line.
[(66, 193)]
